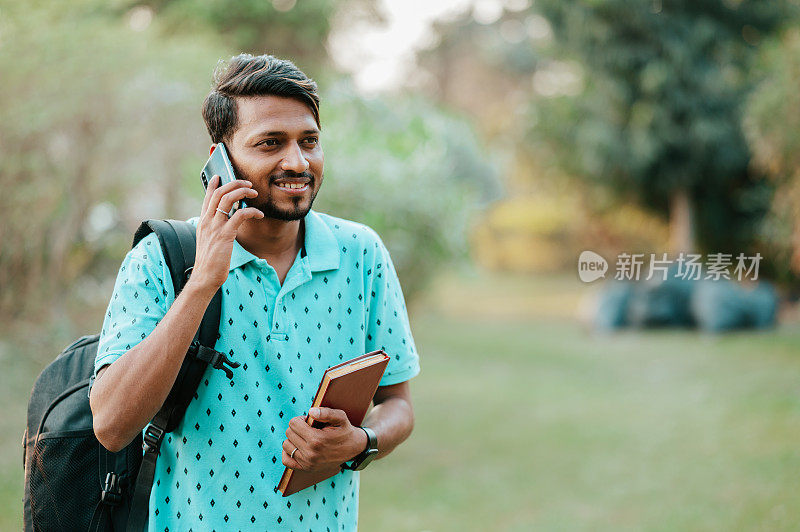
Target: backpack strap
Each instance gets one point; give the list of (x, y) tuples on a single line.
[(178, 243)]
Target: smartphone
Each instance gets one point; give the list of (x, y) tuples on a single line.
[(220, 164)]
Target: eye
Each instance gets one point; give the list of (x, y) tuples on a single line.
[(268, 142), (311, 140)]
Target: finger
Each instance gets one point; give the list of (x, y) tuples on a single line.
[(227, 201), (299, 431), (287, 449), (288, 446), (216, 196), (212, 186), (301, 455), (296, 441), (240, 216), (290, 462), (332, 416)]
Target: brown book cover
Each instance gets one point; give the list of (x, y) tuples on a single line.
[(349, 386)]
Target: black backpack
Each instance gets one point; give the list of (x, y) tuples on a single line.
[(71, 481)]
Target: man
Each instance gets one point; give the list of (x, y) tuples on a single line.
[(302, 291)]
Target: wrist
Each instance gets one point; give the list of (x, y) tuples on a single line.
[(367, 455), (361, 441), (197, 289)]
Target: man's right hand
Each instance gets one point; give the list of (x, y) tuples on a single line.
[(130, 391), (216, 232)]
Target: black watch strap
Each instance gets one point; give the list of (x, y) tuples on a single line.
[(372, 439)]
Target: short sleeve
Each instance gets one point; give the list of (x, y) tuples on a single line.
[(142, 295), (388, 326)]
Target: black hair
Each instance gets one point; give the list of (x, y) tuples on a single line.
[(248, 75)]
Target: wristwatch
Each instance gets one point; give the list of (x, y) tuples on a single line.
[(363, 459)]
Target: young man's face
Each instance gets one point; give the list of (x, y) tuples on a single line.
[(276, 147)]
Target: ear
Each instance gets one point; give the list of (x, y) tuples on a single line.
[(213, 147)]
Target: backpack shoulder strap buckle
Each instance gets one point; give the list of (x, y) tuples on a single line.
[(151, 441), (214, 358), (111, 494)]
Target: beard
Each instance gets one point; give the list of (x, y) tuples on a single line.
[(294, 208), (296, 211)]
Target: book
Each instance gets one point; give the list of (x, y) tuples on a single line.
[(349, 386)]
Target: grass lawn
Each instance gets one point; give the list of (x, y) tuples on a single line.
[(525, 421)]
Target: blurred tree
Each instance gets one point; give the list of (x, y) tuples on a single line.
[(473, 68), (285, 28), (101, 128), (773, 129), (84, 94), (491, 68), (659, 115), (409, 171)]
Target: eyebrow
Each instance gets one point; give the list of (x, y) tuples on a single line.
[(282, 133)]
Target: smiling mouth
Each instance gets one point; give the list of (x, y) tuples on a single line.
[(292, 187)]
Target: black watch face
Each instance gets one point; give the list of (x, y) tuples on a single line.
[(368, 456)]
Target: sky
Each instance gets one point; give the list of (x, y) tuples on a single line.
[(380, 56)]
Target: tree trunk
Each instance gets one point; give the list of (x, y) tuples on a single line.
[(681, 223)]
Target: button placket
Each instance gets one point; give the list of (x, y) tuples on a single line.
[(277, 333), (271, 288), (299, 274)]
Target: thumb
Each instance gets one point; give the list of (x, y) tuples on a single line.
[(247, 213), (333, 416)]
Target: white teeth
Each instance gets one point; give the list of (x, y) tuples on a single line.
[(292, 185)]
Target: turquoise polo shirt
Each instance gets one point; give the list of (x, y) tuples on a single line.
[(219, 469)]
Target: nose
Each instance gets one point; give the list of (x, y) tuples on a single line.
[(294, 160)]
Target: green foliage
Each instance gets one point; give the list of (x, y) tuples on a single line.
[(409, 171), (662, 104), (776, 142), (255, 26), (83, 94), (773, 129), (101, 128)]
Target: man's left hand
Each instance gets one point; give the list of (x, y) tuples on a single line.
[(324, 448)]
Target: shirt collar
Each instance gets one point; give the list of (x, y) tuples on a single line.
[(321, 246)]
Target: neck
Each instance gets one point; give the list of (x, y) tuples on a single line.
[(269, 238)]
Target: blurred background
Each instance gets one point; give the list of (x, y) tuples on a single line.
[(489, 142)]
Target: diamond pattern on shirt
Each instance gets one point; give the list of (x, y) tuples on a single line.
[(220, 467)]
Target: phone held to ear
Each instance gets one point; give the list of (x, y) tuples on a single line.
[(220, 164)]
